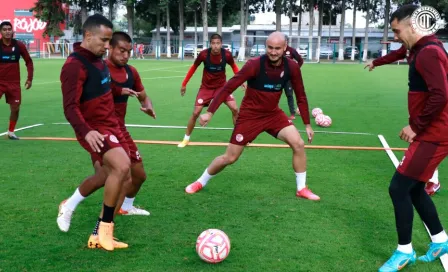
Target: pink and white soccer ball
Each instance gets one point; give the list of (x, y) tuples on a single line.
[(323, 120), (213, 246), (316, 111)]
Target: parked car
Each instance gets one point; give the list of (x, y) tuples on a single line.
[(348, 52), (326, 52), (257, 50), (227, 47), (188, 49), (303, 50), (199, 48)]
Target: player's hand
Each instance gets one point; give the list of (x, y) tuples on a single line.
[(407, 134), (183, 89), (95, 140), (205, 118), (149, 110), (130, 92), (309, 133), (244, 87), (28, 84), (370, 65)]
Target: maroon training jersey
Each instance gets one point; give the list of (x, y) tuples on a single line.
[(428, 90), (293, 54), (216, 79), (393, 56), (257, 103), (10, 72), (120, 75), (86, 109)]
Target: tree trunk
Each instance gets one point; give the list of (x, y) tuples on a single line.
[(310, 31), (366, 33), (205, 24), (158, 40), (278, 15), (290, 23), (386, 27), (242, 50), (219, 22), (168, 31), (354, 29), (341, 32), (319, 28), (181, 29), (111, 10), (195, 51), (299, 25), (130, 16), (83, 14)]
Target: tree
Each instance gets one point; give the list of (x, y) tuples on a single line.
[(51, 12)]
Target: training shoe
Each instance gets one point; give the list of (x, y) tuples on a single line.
[(432, 188), (436, 250), (94, 242), (133, 211), (193, 188), (184, 143), (292, 117), (306, 193), (12, 136), (106, 235), (64, 217), (398, 261)]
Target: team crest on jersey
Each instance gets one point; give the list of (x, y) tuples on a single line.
[(239, 138), (113, 139), (287, 53), (200, 101)]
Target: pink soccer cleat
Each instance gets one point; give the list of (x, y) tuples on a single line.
[(193, 188), (306, 193)]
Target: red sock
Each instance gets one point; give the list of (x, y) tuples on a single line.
[(12, 125)]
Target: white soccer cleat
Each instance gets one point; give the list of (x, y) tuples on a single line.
[(64, 217), (134, 211)]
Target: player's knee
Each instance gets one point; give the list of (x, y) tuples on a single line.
[(15, 108), (298, 146), (196, 114), (234, 111), (140, 178), (230, 159)]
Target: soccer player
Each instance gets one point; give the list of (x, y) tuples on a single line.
[(125, 82), (433, 186), (10, 52), (427, 134), (292, 54), (259, 112), (89, 107), (215, 60)]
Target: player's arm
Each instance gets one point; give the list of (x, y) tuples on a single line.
[(392, 57), (28, 62), (299, 90), (430, 64), (297, 57), (72, 79), (190, 73), (247, 72), (145, 101), (232, 64)]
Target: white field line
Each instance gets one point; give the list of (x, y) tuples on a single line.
[(393, 158), (165, 68), (224, 128), (161, 77), (22, 128)]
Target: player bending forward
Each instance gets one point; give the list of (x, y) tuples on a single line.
[(125, 82), (215, 60), (266, 76), (433, 186)]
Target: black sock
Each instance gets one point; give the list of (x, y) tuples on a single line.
[(97, 225), (108, 214)]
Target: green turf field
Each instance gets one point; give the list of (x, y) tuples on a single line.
[(351, 229)]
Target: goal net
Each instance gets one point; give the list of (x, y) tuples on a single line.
[(255, 45), (57, 49)]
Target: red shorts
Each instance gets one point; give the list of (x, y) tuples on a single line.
[(134, 154), (205, 96), (12, 91), (422, 159), (113, 139), (247, 130)]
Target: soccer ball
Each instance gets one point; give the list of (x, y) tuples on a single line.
[(316, 111), (213, 246), (323, 120)]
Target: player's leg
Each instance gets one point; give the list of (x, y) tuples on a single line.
[(233, 107), (291, 136), (87, 187), (118, 164), (231, 155), (290, 98), (191, 124), (14, 99), (138, 175)]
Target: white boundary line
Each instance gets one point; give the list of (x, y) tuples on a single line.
[(22, 128), (161, 77), (223, 128), (165, 68), (393, 158)]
